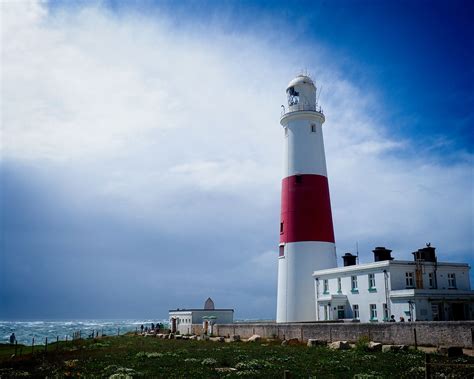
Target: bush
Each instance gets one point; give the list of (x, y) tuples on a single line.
[(361, 344)]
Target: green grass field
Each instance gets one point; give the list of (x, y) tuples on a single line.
[(136, 356)]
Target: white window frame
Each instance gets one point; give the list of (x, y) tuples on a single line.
[(410, 279), (355, 311), (373, 311), (451, 280), (354, 286), (325, 286), (371, 281), (431, 280)]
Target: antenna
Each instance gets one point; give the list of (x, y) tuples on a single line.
[(357, 251)]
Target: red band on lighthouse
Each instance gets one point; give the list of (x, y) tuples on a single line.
[(306, 209)]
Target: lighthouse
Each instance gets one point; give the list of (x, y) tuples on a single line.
[(306, 227)]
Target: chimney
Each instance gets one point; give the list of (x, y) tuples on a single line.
[(427, 254), (382, 254), (349, 259)]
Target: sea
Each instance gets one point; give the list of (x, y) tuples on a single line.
[(25, 331)]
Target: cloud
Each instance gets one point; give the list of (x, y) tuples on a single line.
[(158, 147)]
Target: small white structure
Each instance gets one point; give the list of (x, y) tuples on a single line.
[(419, 290), (182, 320)]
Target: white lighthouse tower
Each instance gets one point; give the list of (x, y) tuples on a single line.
[(306, 228)]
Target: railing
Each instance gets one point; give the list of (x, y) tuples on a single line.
[(301, 107)]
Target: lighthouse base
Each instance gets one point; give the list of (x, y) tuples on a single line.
[(296, 289)]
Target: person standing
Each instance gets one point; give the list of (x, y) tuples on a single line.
[(12, 339)]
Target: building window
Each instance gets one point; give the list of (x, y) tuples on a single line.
[(354, 284), (409, 280), (341, 314), (355, 311), (325, 286), (373, 311), (281, 252), (281, 227), (452, 280), (385, 312), (339, 289), (313, 128), (431, 280), (371, 282)]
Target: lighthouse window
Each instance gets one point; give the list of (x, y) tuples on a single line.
[(293, 96), (282, 251), (313, 128), (281, 227), (298, 179)]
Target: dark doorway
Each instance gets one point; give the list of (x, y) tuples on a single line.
[(458, 311)]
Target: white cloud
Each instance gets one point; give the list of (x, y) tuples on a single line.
[(163, 120)]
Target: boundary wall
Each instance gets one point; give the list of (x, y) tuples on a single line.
[(421, 333)]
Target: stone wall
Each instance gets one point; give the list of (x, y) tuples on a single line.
[(451, 333)]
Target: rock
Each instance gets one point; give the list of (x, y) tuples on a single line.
[(159, 335), (217, 339), (339, 345), (178, 337), (234, 338), (374, 346), (225, 369), (193, 337), (450, 351), (185, 337), (293, 341), (314, 342), (254, 338), (284, 343)]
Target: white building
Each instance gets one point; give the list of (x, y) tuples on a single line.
[(423, 289), (182, 320)]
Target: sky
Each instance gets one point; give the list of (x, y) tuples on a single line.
[(141, 151)]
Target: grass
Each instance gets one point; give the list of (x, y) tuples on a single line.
[(135, 356)]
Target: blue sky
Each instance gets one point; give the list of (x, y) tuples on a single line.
[(141, 156)]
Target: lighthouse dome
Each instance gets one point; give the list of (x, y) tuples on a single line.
[(301, 93), (301, 80)]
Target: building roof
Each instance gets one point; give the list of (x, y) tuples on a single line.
[(380, 264), (198, 309)]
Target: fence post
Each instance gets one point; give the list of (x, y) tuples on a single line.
[(57, 343), (427, 366), (16, 347), (301, 331), (32, 345), (286, 374), (46, 345), (118, 331), (416, 341)]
